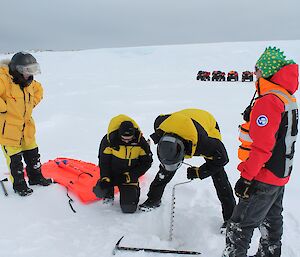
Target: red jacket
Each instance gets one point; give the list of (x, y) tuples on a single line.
[(266, 117)]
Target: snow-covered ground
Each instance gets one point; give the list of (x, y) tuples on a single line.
[(83, 91)]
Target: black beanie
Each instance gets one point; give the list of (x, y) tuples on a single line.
[(126, 129)]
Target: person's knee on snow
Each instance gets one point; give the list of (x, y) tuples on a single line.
[(124, 156), (129, 198), (128, 208)]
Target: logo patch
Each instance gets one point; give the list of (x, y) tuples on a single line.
[(262, 120)]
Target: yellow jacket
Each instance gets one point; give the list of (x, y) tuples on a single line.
[(16, 107), (181, 123), (115, 122), (117, 157)]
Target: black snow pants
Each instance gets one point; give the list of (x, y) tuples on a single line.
[(262, 210), (33, 164), (220, 180), (129, 196)]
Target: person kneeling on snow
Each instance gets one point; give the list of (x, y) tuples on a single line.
[(124, 156), (19, 95), (185, 134)]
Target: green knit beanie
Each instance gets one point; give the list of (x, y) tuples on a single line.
[(271, 61)]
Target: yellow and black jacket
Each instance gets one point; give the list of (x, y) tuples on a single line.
[(199, 131), (16, 105), (117, 157)]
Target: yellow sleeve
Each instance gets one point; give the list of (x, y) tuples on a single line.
[(3, 106), (38, 93)]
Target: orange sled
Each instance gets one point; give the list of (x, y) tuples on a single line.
[(77, 176)]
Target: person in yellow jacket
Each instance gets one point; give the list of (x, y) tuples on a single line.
[(124, 156), (185, 134), (19, 95)]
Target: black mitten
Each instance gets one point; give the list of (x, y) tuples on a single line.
[(201, 172), (102, 187), (104, 183), (243, 188), (192, 172)]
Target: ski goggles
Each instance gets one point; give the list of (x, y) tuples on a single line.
[(29, 70)]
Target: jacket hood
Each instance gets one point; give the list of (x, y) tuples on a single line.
[(287, 77), (4, 63), (182, 126), (112, 131), (4, 66)]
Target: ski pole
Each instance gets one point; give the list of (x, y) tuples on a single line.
[(3, 186)]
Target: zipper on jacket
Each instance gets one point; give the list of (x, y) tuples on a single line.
[(3, 128), (129, 162), (24, 102), (24, 110), (129, 157)]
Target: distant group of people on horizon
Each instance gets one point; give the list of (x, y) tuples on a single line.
[(268, 138)]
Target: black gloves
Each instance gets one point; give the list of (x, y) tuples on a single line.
[(243, 188), (102, 187), (104, 183), (201, 172), (193, 172)]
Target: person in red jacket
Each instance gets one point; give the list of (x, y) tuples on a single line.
[(268, 145)]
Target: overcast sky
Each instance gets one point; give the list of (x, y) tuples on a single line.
[(84, 24)]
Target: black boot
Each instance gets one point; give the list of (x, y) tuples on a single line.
[(149, 205), (109, 196), (265, 251), (38, 179), (223, 227), (16, 169), (22, 189), (108, 200), (33, 169)]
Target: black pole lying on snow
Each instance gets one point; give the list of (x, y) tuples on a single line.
[(136, 249)]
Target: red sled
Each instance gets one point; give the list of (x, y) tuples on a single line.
[(77, 176)]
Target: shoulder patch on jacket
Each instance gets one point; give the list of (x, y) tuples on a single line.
[(262, 120)]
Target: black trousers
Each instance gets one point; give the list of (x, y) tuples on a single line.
[(262, 210), (129, 196), (33, 165), (220, 180)]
